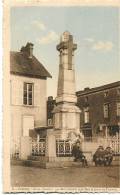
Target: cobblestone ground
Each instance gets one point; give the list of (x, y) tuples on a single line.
[(65, 177)]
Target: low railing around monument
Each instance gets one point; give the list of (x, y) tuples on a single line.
[(38, 147), (112, 141), (63, 148)]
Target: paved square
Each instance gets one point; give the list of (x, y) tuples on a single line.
[(22, 176)]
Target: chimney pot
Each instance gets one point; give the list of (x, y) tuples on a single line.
[(28, 50), (50, 98), (86, 89)]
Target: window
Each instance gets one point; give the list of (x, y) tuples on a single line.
[(86, 99), (118, 109), (118, 91), (102, 127), (106, 110), (28, 94), (50, 122), (86, 115), (105, 93)]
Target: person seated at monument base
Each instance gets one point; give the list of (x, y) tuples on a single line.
[(103, 157), (98, 156), (108, 156), (78, 154)]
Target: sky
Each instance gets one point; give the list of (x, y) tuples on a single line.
[(94, 29)]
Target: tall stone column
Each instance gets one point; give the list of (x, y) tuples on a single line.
[(66, 113), (66, 80)]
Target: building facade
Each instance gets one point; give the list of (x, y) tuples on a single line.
[(28, 93), (100, 110)]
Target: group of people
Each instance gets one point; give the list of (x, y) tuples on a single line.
[(101, 156)]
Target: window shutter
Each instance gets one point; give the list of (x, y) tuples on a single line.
[(37, 94), (16, 92), (20, 93)]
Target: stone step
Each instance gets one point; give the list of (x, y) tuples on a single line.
[(43, 164), (62, 162), (53, 159), (37, 158), (51, 164), (43, 158)]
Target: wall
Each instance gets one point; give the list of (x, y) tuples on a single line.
[(95, 103), (18, 110)]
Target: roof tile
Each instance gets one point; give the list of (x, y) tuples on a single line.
[(20, 64)]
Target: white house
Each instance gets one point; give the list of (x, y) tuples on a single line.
[(28, 92)]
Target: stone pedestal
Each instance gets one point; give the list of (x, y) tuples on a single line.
[(25, 147), (66, 120)]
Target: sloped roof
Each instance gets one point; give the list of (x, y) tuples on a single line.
[(96, 89), (20, 64)]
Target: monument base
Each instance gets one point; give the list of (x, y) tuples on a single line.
[(66, 120), (47, 162)]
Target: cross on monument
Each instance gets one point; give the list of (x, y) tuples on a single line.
[(70, 50), (67, 43)]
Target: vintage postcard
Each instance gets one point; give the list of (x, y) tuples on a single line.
[(61, 89)]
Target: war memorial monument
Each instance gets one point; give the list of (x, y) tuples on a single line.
[(66, 125)]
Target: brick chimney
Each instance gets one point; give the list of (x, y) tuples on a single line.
[(86, 89), (28, 50), (50, 98)]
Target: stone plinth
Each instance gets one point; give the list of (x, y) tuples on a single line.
[(66, 119)]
